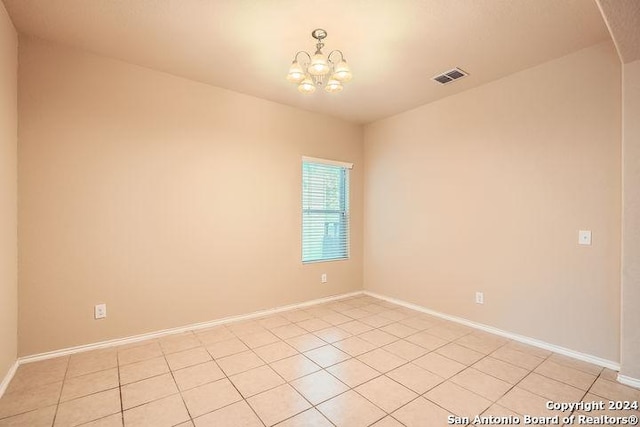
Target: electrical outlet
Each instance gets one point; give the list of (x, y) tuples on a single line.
[(584, 237), (323, 278), (100, 311), (479, 298)]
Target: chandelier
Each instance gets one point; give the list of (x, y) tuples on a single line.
[(318, 70)]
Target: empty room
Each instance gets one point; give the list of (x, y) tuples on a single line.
[(255, 213)]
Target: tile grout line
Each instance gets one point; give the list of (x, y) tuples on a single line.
[(516, 384), (164, 355), (120, 390), (289, 382), (64, 379), (236, 388)]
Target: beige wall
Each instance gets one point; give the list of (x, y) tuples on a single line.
[(486, 191), (8, 193), (631, 221), (172, 201)]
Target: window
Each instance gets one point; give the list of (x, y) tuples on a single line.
[(325, 210)]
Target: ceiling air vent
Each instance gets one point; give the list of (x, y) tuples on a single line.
[(449, 76)]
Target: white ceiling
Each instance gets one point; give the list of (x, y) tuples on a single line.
[(393, 46)]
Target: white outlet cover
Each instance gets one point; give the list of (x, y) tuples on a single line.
[(323, 278), (479, 298), (100, 311), (584, 237)]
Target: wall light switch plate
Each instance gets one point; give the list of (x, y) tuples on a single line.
[(323, 278), (584, 237)]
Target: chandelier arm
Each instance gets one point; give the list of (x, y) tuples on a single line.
[(302, 51), (335, 51)]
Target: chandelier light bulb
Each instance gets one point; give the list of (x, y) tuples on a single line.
[(319, 65), (296, 73), (307, 86), (342, 72), (333, 86)]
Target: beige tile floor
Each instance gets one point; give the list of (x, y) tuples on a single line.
[(354, 362)]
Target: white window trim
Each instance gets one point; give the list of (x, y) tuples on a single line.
[(327, 162)]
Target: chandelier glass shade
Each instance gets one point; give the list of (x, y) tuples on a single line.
[(330, 71)]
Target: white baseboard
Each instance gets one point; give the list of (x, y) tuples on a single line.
[(181, 329), (8, 377), (632, 382), (516, 337)]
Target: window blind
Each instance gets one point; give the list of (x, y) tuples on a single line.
[(325, 210)]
